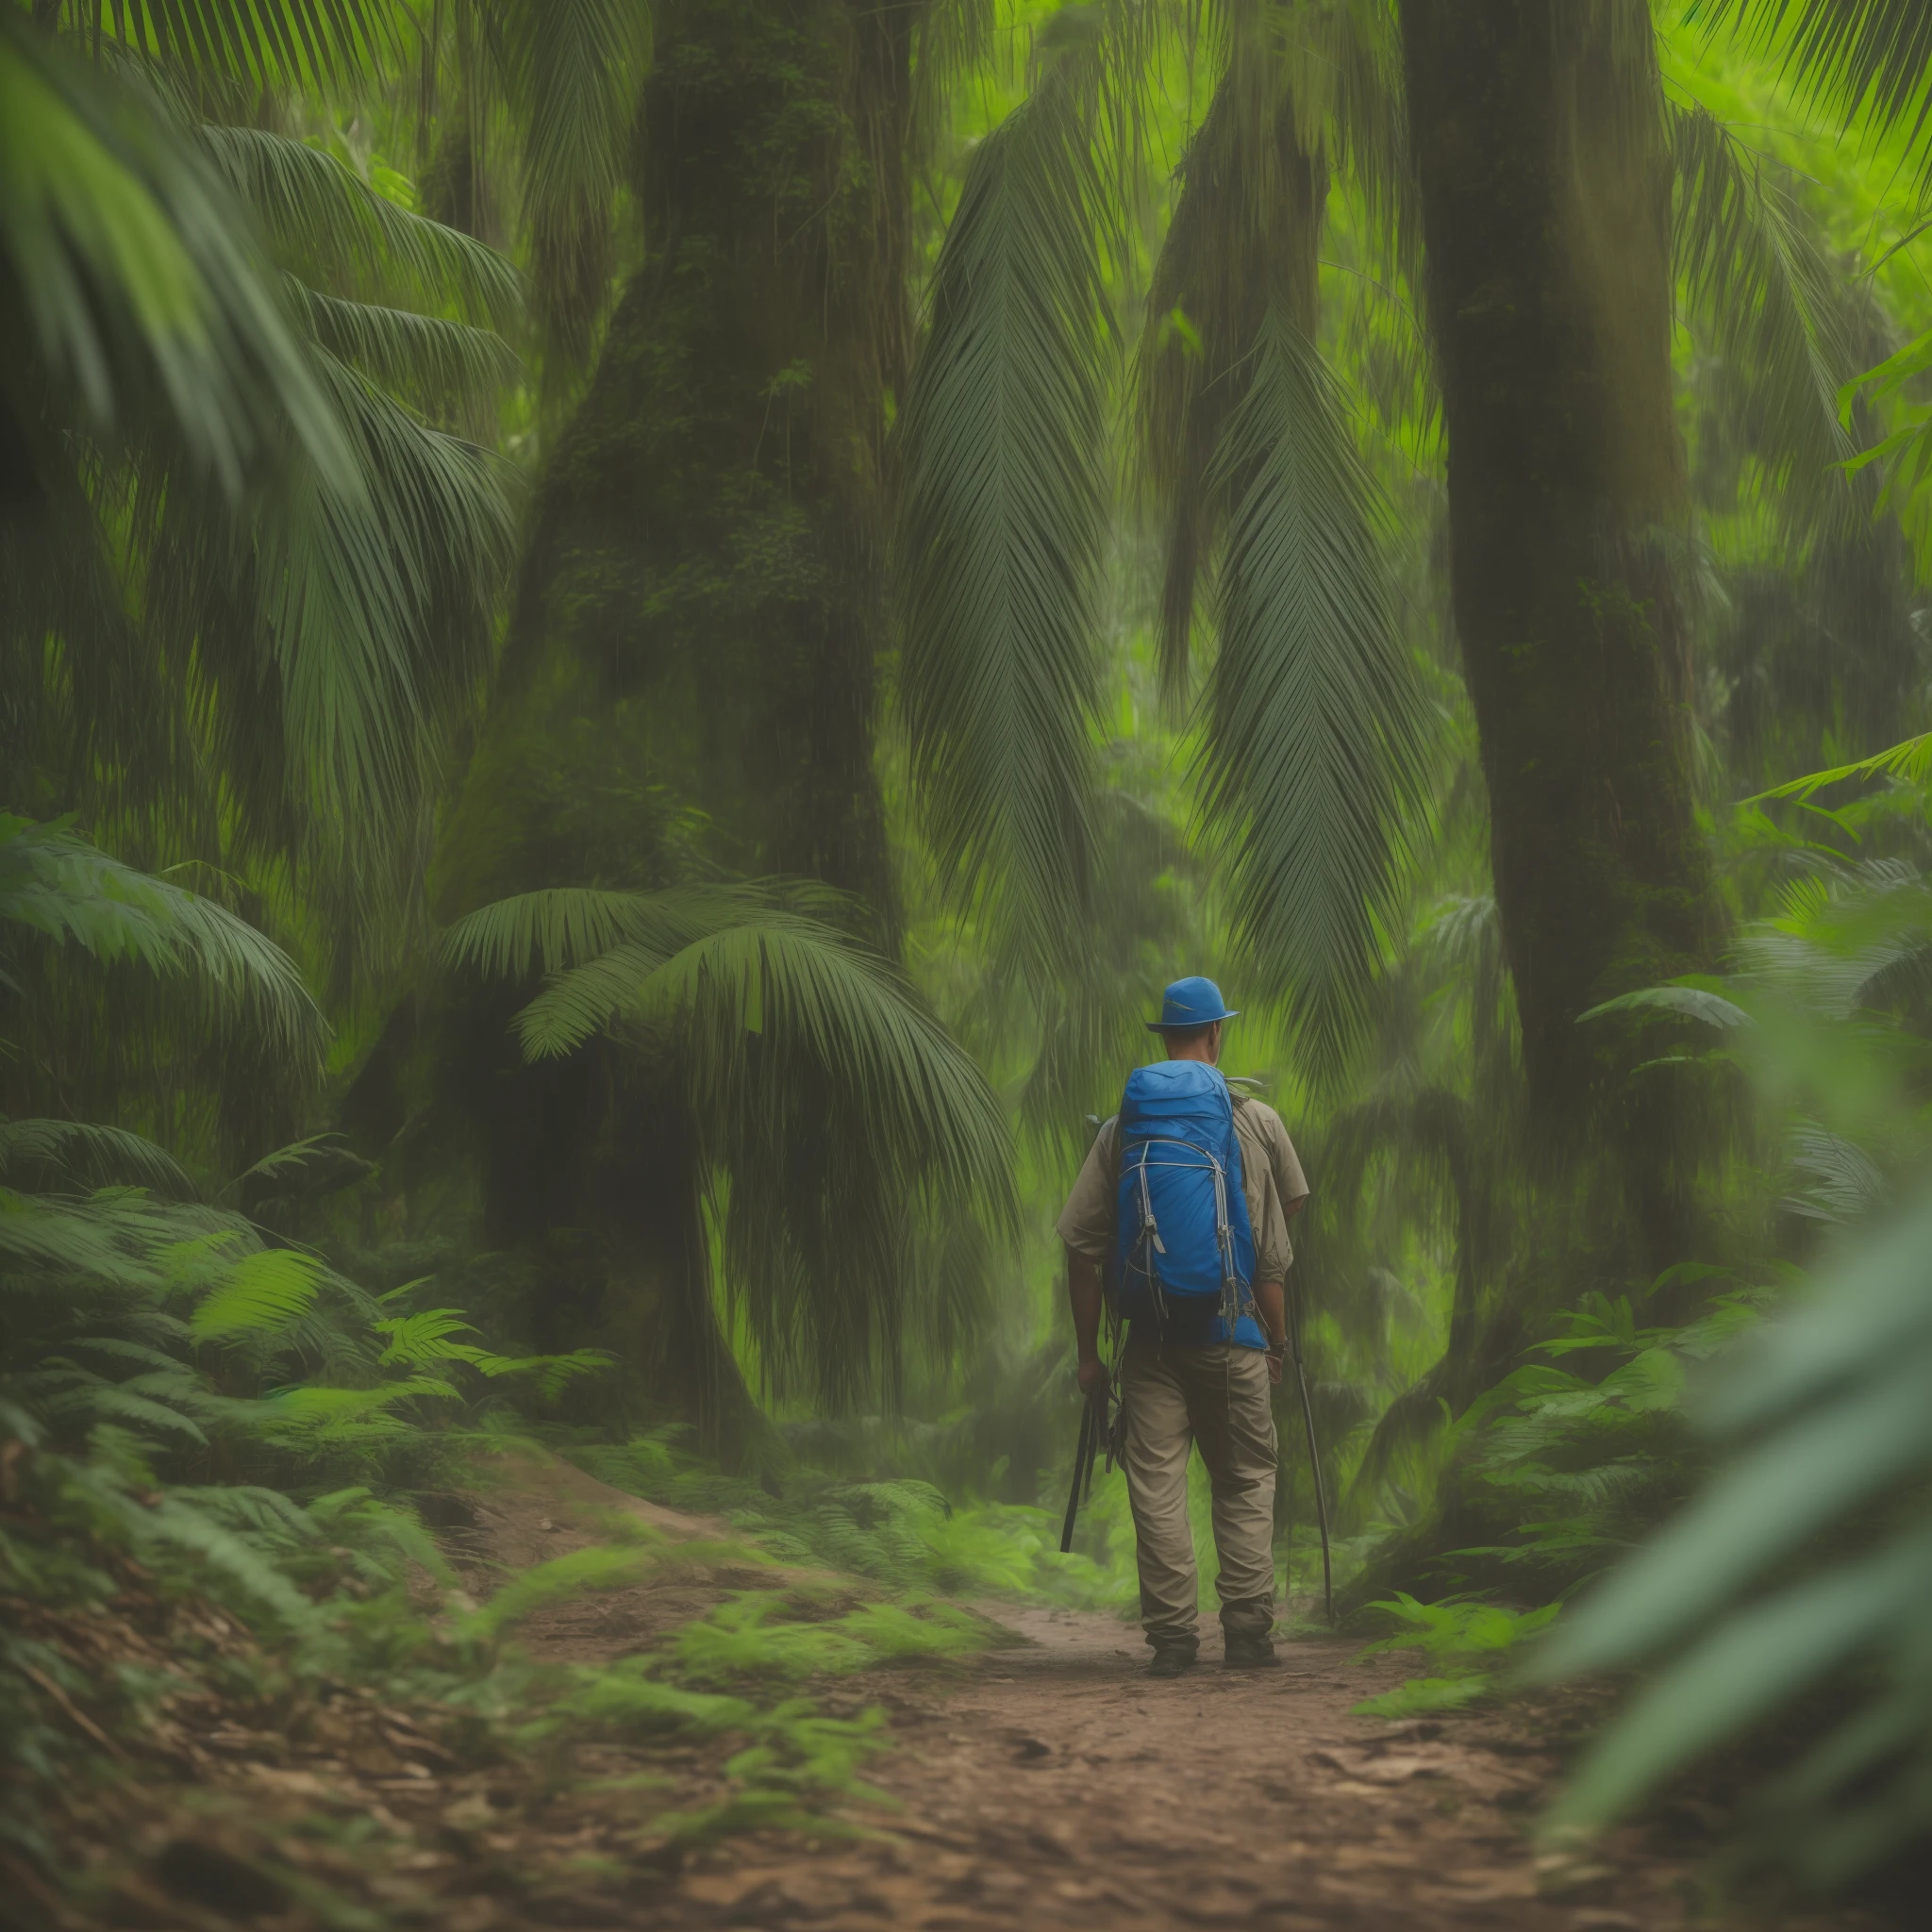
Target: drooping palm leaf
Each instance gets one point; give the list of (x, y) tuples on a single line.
[(1872, 60), (566, 926), (572, 72), (319, 635), (835, 1113), (334, 230), (1910, 761), (80, 1153), (1769, 302), (266, 43), (1244, 239), (1905, 452), (381, 610), (343, 629), (55, 883), (804, 988), (125, 280), (1002, 519), (430, 360), (842, 1115), (1315, 757)]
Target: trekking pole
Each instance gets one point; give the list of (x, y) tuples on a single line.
[(1083, 1461), (1300, 1376)]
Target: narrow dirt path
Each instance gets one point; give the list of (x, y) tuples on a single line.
[(1047, 1783), (1053, 1784)]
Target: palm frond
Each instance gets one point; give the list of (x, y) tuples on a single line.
[(1353, 54), (87, 1156), (775, 981), (125, 276), (580, 1004), (267, 42), (334, 230), (100, 1240), (1315, 756), (567, 926), (376, 608), (1872, 60), (953, 36), (783, 985), (426, 1336), (1904, 454), (1244, 239), (55, 883), (836, 1115), (92, 1399), (430, 360), (1910, 761), (1004, 510), (572, 72), (1767, 299)]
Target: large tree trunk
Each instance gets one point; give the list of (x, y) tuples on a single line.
[(697, 622), (1546, 213), (689, 682)]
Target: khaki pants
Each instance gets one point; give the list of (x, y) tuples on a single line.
[(1218, 1396)]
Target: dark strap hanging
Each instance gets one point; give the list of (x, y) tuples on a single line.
[(1300, 1376), (1083, 1464)]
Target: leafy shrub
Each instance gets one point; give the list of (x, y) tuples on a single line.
[(903, 1533), (1467, 1639), (1805, 1563), (750, 1637)]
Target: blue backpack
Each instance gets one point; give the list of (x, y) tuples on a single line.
[(1185, 1245)]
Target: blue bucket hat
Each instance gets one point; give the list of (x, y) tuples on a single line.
[(1191, 1003)]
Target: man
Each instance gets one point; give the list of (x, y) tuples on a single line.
[(1189, 1380)]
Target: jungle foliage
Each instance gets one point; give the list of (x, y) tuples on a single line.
[(631, 640)]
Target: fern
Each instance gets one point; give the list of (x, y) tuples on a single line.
[(600, 1567), (428, 1337), (261, 1292)]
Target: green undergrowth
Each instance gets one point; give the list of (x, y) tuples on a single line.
[(1564, 1463), (904, 1533), (346, 1587), (248, 1602), (1468, 1645)]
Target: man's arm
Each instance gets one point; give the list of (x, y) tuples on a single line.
[(1271, 1310), (1290, 1184), (1087, 1296)]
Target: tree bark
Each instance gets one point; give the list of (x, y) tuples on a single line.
[(689, 681), (691, 658), (1544, 196)]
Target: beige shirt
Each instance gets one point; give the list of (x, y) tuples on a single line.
[(1271, 1179)]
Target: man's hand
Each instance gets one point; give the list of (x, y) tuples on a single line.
[(1084, 1294), (1276, 1359)]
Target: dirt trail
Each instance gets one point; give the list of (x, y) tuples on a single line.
[(1056, 1785), (1052, 1783), (1046, 1782)]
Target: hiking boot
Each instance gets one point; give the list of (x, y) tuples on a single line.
[(1172, 1660), (1251, 1654)]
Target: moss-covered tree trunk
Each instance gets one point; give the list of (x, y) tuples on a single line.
[(1546, 213), (689, 682), (691, 667)]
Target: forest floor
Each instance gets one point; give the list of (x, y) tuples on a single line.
[(1045, 1781)]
